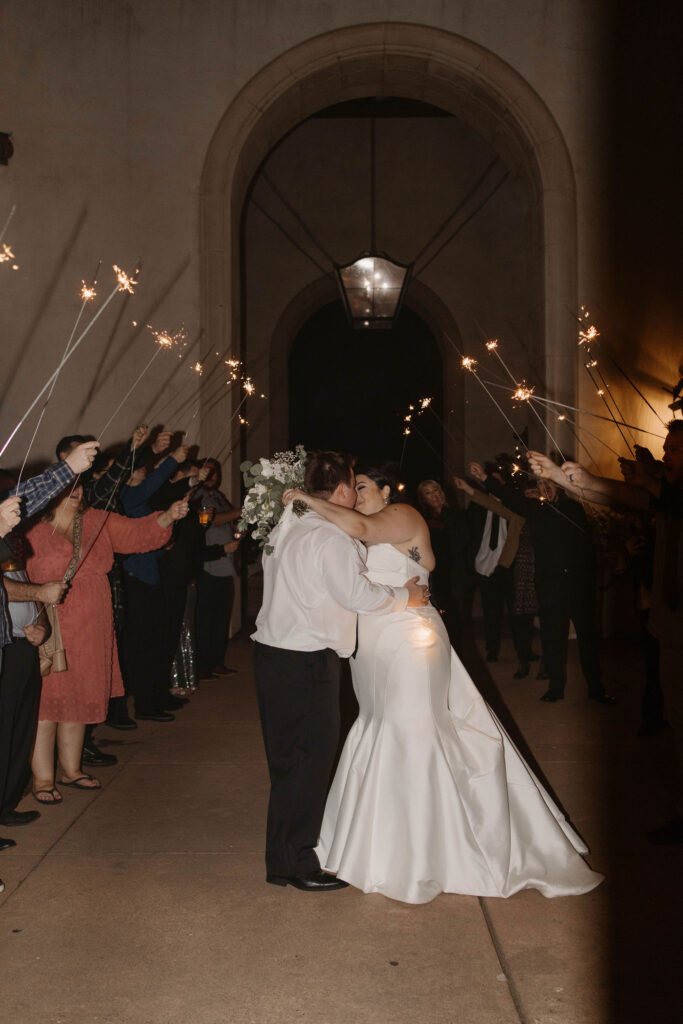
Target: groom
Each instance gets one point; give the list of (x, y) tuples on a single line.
[(314, 585)]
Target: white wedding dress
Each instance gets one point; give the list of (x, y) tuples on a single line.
[(431, 794)]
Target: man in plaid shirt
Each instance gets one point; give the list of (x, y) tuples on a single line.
[(38, 492)]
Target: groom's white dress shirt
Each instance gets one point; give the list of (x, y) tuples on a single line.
[(314, 583)]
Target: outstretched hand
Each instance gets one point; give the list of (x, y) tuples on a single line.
[(462, 485), (162, 441), (10, 514), (81, 457), (139, 435), (477, 471), (178, 510)]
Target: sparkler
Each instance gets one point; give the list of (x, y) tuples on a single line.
[(249, 389), (120, 286), (87, 294), (588, 334), (522, 392), (7, 222), (469, 364), (164, 340), (7, 255)]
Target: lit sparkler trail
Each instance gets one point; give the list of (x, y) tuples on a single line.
[(66, 358), (164, 341), (563, 418), (87, 293), (7, 222), (469, 364), (597, 416), (249, 389), (588, 333), (522, 392)]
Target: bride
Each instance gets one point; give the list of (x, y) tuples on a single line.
[(431, 794)]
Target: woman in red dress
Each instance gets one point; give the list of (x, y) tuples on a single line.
[(79, 544)]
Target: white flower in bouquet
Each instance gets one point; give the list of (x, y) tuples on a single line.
[(266, 481)]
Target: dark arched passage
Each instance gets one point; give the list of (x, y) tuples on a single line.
[(350, 390)]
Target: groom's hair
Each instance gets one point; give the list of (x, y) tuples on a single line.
[(325, 471)]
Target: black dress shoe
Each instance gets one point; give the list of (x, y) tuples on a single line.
[(550, 696), (156, 716), (121, 723), (92, 755), (6, 843), (522, 672), (602, 698), (313, 881), (19, 817)]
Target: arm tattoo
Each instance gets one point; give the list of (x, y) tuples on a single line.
[(414, 553)]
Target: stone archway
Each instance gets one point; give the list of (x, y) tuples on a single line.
[(407, 60)]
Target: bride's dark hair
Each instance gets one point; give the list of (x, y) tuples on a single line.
[(384, 474)]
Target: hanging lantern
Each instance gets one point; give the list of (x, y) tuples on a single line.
[(372, 288)]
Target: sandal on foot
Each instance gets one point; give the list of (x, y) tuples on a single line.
[(53, 792), (77, 782)]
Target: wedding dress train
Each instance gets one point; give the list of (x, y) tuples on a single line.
[(431, 794)]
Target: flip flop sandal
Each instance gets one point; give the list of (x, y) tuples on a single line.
[(54, 794), (76, 783)]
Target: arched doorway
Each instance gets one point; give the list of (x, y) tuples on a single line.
[(350, 391), (418, 62)]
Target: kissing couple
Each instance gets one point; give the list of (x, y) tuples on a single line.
[(430, 794)]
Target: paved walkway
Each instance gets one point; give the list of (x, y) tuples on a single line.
[(146, 904)]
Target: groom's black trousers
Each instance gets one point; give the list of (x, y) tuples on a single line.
[(298, 697)]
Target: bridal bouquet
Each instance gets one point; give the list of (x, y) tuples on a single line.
[(266, 481)]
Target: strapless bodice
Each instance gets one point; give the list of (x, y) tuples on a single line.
[(386, 564)]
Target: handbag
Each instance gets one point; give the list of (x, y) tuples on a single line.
[(51, 652)]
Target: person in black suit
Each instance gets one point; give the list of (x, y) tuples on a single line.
[(565, 580)]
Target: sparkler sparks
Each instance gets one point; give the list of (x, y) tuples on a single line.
[(248, 386), (425, 403), (126, 283), (87, 292), (523, 393), (7, 255), (166, 339), (198, 368), (468, 363), (492, 345)]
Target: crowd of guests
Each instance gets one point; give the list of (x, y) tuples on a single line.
[(523, 539), (119, 574), (118, 582)]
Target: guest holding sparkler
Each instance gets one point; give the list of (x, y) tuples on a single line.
[(78, 545), (102, 488), (508, 581), (565, 580), (180, 565), (657, 486), (143, 633)]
